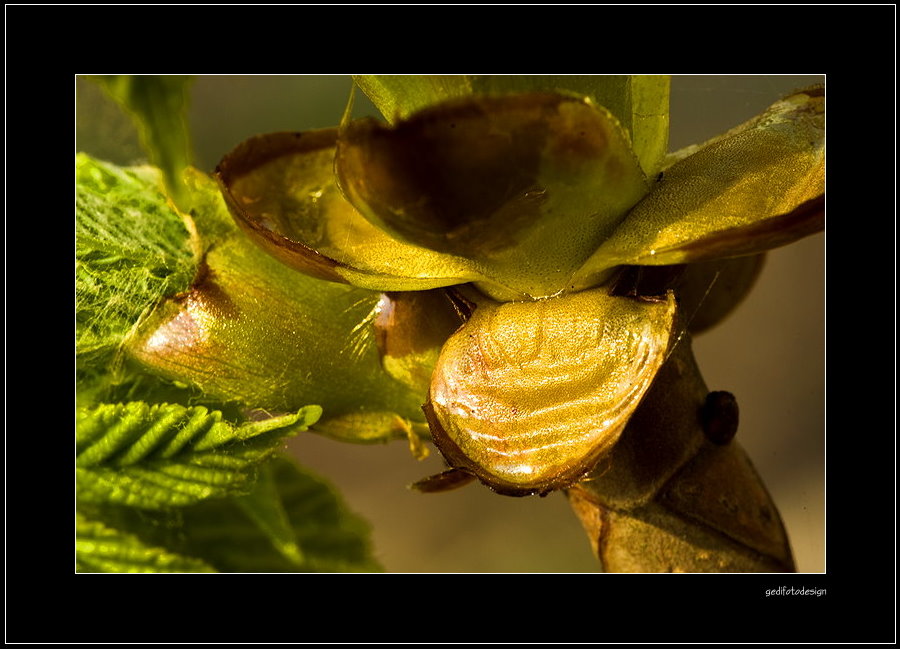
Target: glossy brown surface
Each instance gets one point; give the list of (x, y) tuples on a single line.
[(281, 190), (260, 212), (524, 186)]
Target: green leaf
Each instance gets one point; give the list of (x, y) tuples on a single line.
[(305, 512), (99, 548), (639, 102), (213, 222), (168, 455), (330, 538), (131, 249), (281, 189), (265, 508), (254, 332), (158, 106)]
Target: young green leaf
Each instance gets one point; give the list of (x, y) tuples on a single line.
[(311, 520), (331, 538), (167, 455), (99, 548), (264, 507), (158, 105), (131, 249)]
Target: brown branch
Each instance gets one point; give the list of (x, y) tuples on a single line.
[(673, 497)]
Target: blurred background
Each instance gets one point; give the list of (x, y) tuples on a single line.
[(770, 353)]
